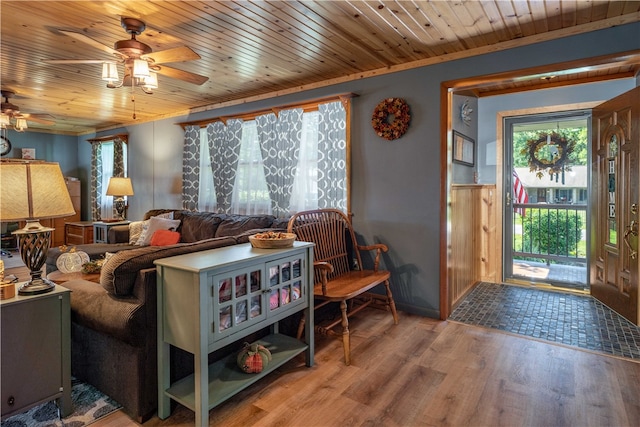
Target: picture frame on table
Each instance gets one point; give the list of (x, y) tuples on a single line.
[(464, 149)]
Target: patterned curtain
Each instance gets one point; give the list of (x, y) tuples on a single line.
[(191, 168), (118, 164), (96, 180), (332, 160), (224, 148), (280, 145)]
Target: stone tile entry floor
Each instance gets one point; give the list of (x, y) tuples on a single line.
[(569, 319)]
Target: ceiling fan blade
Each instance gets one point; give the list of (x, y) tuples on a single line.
[(76, 61), (177, 54), (182, 75), (88, 40), (39, 118)]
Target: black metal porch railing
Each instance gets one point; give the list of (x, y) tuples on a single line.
[(555, 233)]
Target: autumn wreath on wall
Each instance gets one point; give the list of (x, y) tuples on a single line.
[(391, 118), (549, 152)]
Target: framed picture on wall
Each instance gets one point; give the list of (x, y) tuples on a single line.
[(463, 149), (29, 153)]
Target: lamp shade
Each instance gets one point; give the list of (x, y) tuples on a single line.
[(31, 190), (119, 186), (151, 82), (4, 121), (110, 72), (21, 124), (140, 68)]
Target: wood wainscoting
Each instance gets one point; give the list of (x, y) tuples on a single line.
[(473, 256)]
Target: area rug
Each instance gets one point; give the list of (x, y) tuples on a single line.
[(89, 405), (573, 320)]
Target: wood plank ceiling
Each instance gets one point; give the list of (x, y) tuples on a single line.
[(256, 49)]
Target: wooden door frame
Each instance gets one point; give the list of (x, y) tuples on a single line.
[(467, 86)]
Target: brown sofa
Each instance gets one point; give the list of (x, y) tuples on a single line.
[(113, 323)]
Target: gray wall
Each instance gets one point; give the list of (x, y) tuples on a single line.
[(395, 184), (461, 173), (62, 149)]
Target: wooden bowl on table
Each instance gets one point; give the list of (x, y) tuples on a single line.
[(272, 240)]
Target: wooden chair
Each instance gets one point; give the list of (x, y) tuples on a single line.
[(337, 279)]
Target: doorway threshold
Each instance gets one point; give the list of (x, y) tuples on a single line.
[(546, 286)]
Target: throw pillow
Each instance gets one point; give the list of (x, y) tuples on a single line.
[(165, 238), (156, 224), (135, 230), (144, 238)]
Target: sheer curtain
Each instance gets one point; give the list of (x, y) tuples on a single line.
[(206, 190), (107, 156), (250, 193)]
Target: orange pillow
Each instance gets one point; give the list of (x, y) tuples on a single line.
[(165, 238)]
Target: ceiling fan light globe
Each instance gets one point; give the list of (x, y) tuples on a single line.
[(4, 121), (140, 68), (21, 124), (150, 82), (110, 72)]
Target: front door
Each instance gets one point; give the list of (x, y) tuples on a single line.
[(614, 207)]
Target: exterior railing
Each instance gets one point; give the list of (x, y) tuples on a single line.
[(551, 232)]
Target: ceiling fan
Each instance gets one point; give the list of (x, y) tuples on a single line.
[(134, 54), (11, 112)]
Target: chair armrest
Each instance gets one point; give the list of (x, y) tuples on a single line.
[(323, 268), (379, 248)]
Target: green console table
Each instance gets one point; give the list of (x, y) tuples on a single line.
[(209, 299)]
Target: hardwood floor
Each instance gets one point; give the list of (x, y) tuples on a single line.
[(426, 372)]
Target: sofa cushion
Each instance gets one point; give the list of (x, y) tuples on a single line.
[(199, 225), (165, 238), (155, 224), (160, 212), (118, 274), (234, 225), (120, 318), (135, 230)]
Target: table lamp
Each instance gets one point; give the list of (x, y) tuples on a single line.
[(31, 190), (119, 187)]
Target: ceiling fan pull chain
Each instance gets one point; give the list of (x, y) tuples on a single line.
[(133, 97)]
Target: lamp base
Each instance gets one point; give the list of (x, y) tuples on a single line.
[(119, 204), (36, 287), (34, 243)]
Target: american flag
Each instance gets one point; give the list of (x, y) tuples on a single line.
[(519, 194)]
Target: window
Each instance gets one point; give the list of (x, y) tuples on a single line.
[(272, 163), (108, 158)]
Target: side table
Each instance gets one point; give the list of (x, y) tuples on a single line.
[(101, 230), (36, 351), (78, 233)]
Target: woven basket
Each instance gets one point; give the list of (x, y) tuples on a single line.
[(285, 242)]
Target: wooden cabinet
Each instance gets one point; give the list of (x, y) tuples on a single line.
[(36, 351), (209, 299), (79, 233)]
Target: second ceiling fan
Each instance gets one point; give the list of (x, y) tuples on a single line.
[(133, 54)]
